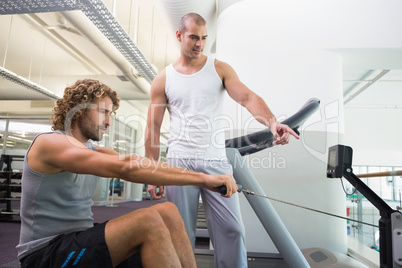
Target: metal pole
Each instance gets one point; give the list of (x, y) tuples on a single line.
[(266, 213), (5, 138), (359, 200)]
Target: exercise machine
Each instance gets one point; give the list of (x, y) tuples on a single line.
[(238, 147), (390, 223)]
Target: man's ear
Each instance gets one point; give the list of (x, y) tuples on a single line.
[(178, 35)]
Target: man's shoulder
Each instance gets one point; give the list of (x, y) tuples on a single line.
[(223, 69), (55, 139), (161, 74), (219, 62), (46, 135), (45, 139), (159, 80)]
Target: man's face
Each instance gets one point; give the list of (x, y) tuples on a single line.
[(193, 40), (95, 122)]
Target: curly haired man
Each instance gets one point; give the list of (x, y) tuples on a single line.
[(60, 176)]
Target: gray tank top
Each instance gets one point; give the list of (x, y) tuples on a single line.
[(53, 204)]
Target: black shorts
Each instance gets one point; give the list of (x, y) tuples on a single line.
[(84, 249)]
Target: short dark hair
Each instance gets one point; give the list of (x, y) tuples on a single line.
[(198, 19)]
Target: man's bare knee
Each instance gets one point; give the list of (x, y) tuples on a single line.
[(171, 216), (167, 209), (152, 221)]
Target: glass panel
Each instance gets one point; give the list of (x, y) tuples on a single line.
[(371, 216), (386, 184), (374, 183), (398, 187), (389, 188), (120, 190)]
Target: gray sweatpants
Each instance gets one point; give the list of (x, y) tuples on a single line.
[(224, 222)]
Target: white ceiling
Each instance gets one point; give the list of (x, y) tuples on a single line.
[(49, 50), (46, 49), (378, 73)]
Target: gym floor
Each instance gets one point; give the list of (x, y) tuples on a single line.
[(205, 259)]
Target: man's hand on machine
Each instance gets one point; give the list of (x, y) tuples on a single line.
[(212, 182), (282, 133), (156, 195), (217, 182)]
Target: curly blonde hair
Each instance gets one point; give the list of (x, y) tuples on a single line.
[(82, 94)]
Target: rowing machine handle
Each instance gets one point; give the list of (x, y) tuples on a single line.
[(223, 190)]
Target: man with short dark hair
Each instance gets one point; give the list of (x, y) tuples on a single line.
[(192, 90)]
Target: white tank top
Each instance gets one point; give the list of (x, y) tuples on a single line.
[(195, 105)]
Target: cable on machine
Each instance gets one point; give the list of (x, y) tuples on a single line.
[(307, 208)]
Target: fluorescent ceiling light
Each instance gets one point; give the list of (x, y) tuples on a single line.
[(363, 84), (24, 127), (27, 83)]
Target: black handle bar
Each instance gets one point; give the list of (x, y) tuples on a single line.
[(263, 139), (260, 140)]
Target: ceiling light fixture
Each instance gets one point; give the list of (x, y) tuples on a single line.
[(27, 83), (9, 7), (100, 16), (98, 13), (363, 84)]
